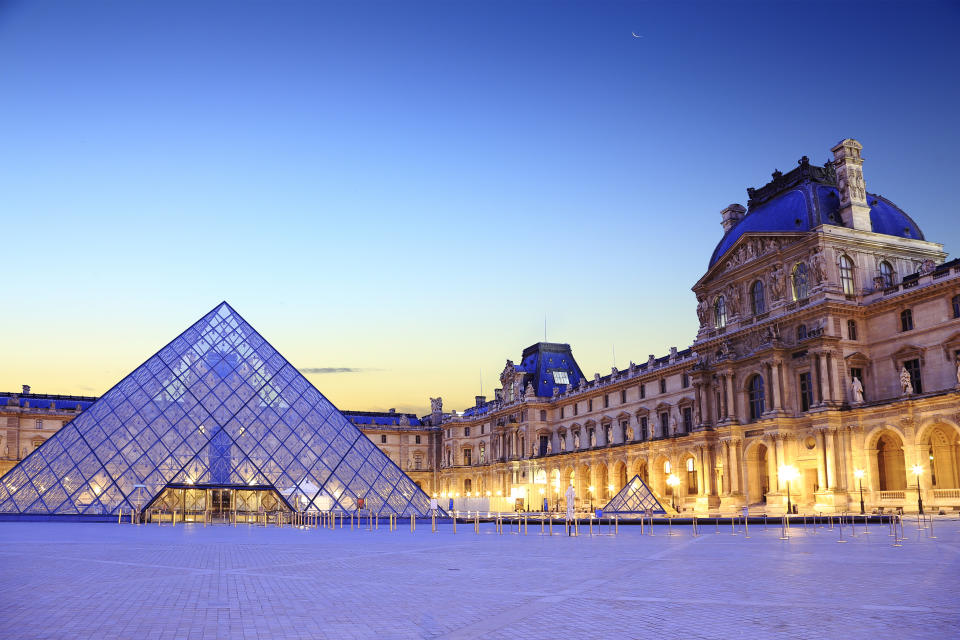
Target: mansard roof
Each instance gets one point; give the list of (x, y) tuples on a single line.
[(804, 199)]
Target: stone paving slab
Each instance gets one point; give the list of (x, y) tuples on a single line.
[(84, 580)]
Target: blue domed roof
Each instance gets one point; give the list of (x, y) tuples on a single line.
[(808, 205)]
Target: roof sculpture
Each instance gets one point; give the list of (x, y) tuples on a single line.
[(635, 498), (216, 406)]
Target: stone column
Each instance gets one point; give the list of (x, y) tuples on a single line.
[(821, 460), (701, 480), (831, 460), (742, 476), (731, 402), (818, 378), (778, 458), (775, 385), (712, 469), (786, 385)]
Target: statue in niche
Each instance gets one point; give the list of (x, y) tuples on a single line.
[(818, 267), (776, 282), (906, 384), (629, 433), (958, 370), (593, 439), (576, 440), (856, 391), (549, 445), (530, 393), (563, 444), (703, 311), (673, 424), (734, 299)]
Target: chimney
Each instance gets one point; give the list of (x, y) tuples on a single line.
[(26, 389), (731, 216), (847, 162), (391, 410), (480, 400)]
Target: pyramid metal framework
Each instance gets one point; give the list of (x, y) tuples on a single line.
[(217, 406), (635, 497)]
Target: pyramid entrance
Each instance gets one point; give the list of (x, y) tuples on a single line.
[(216, 419)]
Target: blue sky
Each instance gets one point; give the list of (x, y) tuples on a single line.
[(406, 190)]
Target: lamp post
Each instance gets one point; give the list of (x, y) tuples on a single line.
[(590, 491), (858, 474), (542, 499), (918, 471), (789, 472), (673, 481)]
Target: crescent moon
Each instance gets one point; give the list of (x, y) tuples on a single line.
[(635, 35)]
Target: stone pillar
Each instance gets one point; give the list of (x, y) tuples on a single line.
[(779, 460), (831, 460), (775, 385), (743, 475), (712, 469), (786, 385), (731, 402), (701, 480), (821, 460)]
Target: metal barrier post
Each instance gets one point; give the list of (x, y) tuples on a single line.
[(476, 523), (840, 523), (616, 525), (454, 523), (784, 533), (591, 524), (551, 524), (746, 526), (524, 524), (670, 523)]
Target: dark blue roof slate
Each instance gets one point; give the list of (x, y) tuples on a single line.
[(378, 418), (42, 401), (807, 206)]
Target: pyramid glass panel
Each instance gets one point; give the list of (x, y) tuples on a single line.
[(635, 498), (216, 408)]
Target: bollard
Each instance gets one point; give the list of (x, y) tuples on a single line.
[(413, 523), (616, 525), (930, 532), (433, 521), (524, 525), (670, 524), (120, 516), (746, 526), (897, 540), (551, 524), (641, 524), (733, 525), (476, 523), (784, 533), (591, 524), (853, 527), (865, 528), (454, 523), (840, 523)]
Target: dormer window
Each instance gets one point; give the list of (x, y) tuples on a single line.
[(757, 298), (886, 273), (846, 275), (719, 313)]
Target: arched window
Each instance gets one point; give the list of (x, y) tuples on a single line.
[(666, 466), (846, 275), (756, 397), (719, 313), (757, 298), (886, 272), (801, 332), (799, 278)]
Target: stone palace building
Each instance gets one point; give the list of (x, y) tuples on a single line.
[(825, 369)]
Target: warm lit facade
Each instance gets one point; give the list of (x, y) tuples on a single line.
[(817, 283)]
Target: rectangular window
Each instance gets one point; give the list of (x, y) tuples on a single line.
[(560, 377), (590, 405), (543, 415), (663, 385), (576, 408), (664, 424), (851, 330), (687, 419), (466, 456), (906, 320), (39, 424), (417, 439), (623, 397), (467, 485), (606, 401), (643, 428), (643, 391), (686, 381), (806, 392), (383, 439), (562, 412), (466, 431), (955, 302), (856, 372), (913, 368), (418, 464)]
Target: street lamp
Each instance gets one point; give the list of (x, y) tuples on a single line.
[(858, 474), (789, 472), (673, 481), (542, 499), (918, 471), (590, 490)]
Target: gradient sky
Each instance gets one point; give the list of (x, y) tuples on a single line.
[(405, 190)]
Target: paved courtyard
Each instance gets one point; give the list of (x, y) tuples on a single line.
[(78, 580)]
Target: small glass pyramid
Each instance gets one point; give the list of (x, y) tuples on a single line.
[(217, 407), (636, 498)]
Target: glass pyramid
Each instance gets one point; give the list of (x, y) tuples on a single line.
[(218, 406), (635, 497)]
